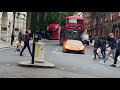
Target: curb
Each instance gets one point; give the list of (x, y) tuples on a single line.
[(36, 64), (7, 47), (12, 45)]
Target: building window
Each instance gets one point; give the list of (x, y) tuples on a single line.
[(105, 20), (119, 14), (111, 16)]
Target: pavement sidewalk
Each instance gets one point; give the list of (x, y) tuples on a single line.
[(8, 45)]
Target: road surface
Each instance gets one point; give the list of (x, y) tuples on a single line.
[(68, 65)]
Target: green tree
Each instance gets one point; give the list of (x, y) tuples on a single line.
[(46, 18), (108, 27)]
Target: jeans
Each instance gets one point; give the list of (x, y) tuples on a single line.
[(110, 51), (103, 52)]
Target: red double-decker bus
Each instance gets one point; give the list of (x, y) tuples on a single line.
[(53, 31), (71, 28)]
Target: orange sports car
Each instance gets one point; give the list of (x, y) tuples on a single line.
[(74, 45)]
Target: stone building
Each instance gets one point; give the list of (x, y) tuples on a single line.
[(6, 24)]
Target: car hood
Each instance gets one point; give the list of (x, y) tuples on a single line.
[(74, 47)]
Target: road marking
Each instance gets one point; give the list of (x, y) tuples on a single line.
[(105, 68), (56, 49), (62, 68), (84, 68), (7, 64), (74, 68), (94, 68), (59, 53)]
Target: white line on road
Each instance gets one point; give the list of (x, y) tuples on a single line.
[(105, 68), (74, 68), (56, 49), (84, 68), (7, 64), (62, 68)]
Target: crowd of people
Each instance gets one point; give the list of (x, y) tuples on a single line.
[(104, 48)]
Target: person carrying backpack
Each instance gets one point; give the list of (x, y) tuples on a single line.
[(26, 43)]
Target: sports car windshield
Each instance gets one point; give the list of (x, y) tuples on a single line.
[(74, 42)]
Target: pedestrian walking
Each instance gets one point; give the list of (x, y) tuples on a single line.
[(12, 38), (117, 53), (96, 46), (26, 42), (103, 47), (112, 46), (19, 42)]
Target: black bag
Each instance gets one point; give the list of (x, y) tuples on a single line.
[(18, 50)]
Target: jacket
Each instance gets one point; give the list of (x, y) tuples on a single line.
[(102, 44), (112, 43), (97, 43)]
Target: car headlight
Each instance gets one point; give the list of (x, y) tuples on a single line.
[(81, 48), (66, 47)]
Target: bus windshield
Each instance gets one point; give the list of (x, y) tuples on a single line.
[(75, 21), (72, 35)]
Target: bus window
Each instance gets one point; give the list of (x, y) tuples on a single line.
[(75, 21)]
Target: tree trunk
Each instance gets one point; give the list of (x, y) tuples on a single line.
[(97, 25), (28, 20), (45, 15)]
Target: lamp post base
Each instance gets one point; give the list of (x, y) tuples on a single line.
[(44, 64)]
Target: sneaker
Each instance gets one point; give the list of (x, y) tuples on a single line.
[(21, 55), (94, 59), (113, 65)]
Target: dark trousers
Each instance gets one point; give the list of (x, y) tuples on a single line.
[(116, 55), (28, 46), (95, 52), (103, 52)]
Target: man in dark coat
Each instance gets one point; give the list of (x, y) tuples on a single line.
[(117, 53)]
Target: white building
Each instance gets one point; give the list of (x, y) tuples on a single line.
[(6, 24)]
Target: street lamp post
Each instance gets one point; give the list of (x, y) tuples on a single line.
[(34, 32), (12, 36)]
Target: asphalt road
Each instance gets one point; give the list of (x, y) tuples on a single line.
[(68, 65)]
